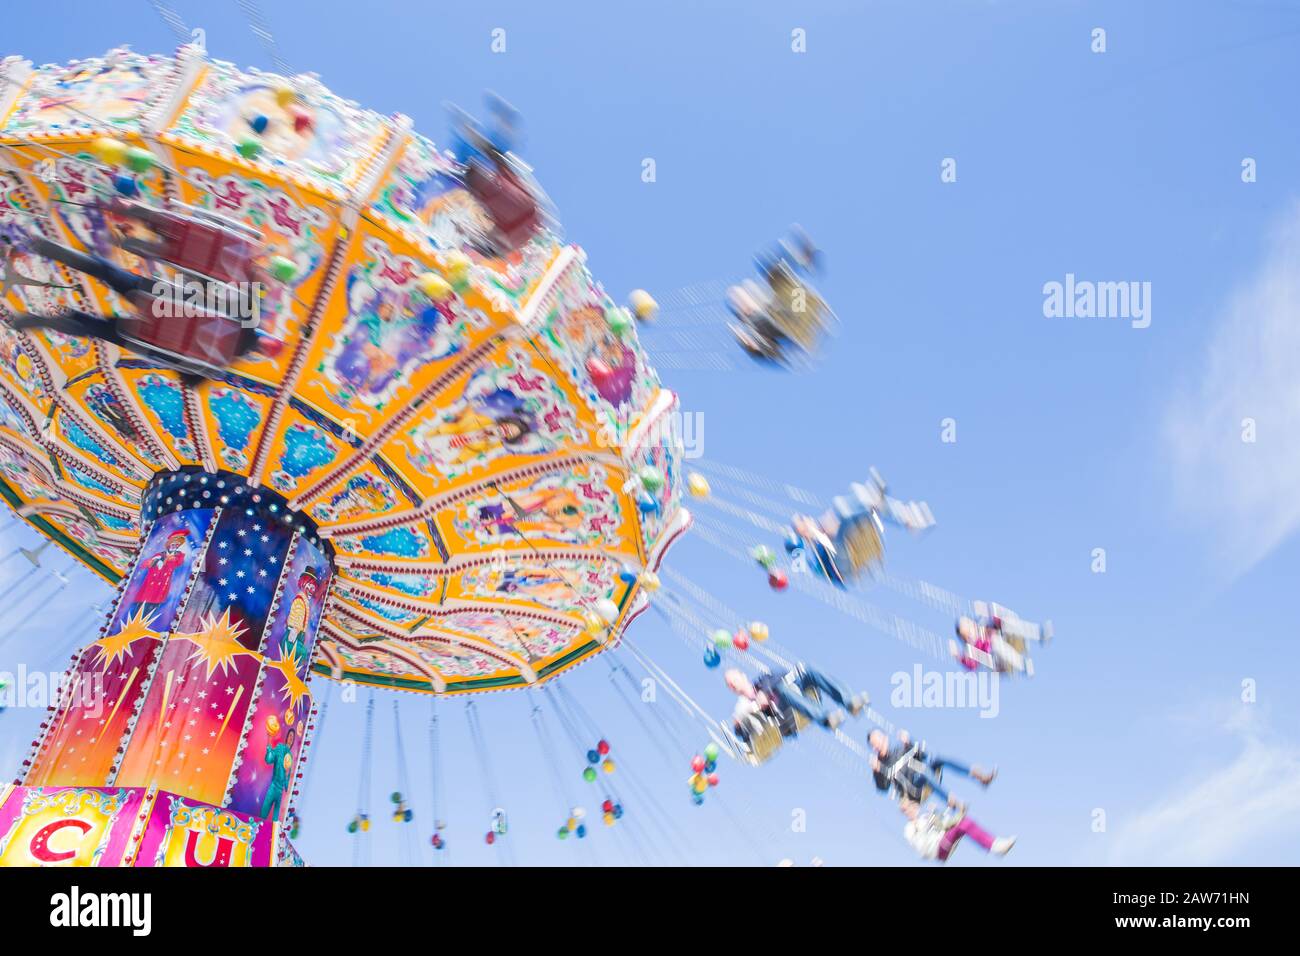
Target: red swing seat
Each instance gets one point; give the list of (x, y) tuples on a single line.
[(508, 201)]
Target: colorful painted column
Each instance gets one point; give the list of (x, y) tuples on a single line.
[(196, 691)]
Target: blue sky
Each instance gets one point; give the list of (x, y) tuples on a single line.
[(1073, 434)]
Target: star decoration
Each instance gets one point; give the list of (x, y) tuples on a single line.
[(295, 688), (217, 644), (114, 648)]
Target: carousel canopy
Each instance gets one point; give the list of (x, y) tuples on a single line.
[(495, 471)]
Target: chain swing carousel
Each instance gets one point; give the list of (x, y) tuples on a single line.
[(443, 465)]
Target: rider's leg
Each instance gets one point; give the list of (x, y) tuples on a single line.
[(122, 281), (76, 324), (815, 713), (809, 678), (964, 827), (945, 763)]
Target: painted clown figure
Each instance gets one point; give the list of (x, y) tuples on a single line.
[(160, 574), (279, 757), (294, 643)]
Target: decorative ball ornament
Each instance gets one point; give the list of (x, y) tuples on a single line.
[(283, 269), (608, 610), (434, 287), (618, 321), (652, 478), (778, 581), (110, 151), (697, 485), (758, 630), (138, 159), (650, 581), (711, 657), (643, 305), (456, 268)]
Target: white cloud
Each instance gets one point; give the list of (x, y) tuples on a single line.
[(1245, 491), (1248, 805)]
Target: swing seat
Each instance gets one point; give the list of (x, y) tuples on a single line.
[(764, 738), (198, 243), (191, 339), (507, 200)]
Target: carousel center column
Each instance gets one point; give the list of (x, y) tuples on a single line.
[(197, 687)]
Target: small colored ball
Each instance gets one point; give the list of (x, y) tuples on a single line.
[(434, 286), (111, 151), (283, 269), (652, 478), (644, 307), (618, 321), (139, 160), (456, 266)]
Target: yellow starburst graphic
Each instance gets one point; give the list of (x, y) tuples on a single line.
[(217, 644), (295, 688), (114, 648)]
